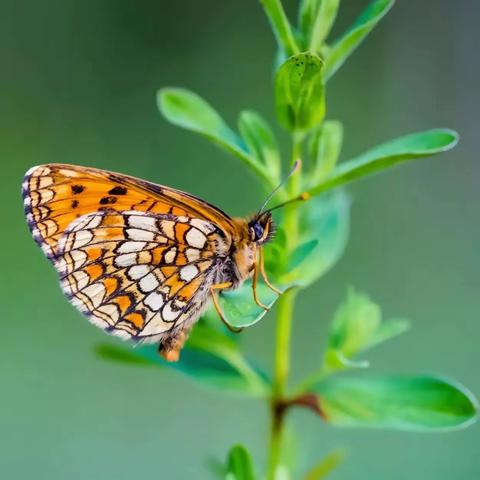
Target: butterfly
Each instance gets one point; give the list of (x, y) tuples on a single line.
[(140, 260)]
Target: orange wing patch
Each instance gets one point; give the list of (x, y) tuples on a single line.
[(55, 195)]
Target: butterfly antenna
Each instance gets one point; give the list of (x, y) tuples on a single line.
[(295, 167)]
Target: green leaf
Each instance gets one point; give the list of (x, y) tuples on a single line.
[(299, 92), (324, 146), (397, 402), (344, 46), (324, 228), (400, 150), (210, 357), (239, 465), (280, 26), (315, 22), (239, 306), (260, 141), (356, 327), (326, 465), (186, 109), (301, 253)]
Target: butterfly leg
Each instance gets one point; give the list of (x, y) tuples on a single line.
[(254, 288), (216, 304), (264, 274)]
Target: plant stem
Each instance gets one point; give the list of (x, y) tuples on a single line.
[(282, 368), (286, 305)]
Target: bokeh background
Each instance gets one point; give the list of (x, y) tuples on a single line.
[(77, 85)]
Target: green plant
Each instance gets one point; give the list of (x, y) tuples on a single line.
[(311, 237)]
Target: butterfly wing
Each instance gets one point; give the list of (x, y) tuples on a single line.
[(133, 275), (56, 194), (136, 258)]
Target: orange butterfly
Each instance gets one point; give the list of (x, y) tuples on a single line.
[(140, 260)]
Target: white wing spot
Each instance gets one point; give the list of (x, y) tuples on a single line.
[(192, 254), (145, 222), (170, 255), (155, 326), (149, 283), (154, 301), (195, 238), (137, 234), (126, 260), (129, 247), (188, 272), (95, 293), (168, 313), (138, 271), (81, 239), (205, 227), (81, 278)]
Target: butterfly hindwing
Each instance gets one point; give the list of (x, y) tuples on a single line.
[(132, 274)]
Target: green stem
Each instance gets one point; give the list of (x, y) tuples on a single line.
[(282, 368), (286, 305), (280, 26)]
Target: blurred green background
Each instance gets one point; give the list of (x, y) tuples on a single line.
[(77, 85)]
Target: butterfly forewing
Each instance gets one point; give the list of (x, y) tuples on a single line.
[(137, 258)]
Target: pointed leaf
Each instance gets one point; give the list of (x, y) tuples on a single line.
[(299, 92), (396, 402), (344, 46), (315, 22), (325, 145), (281, 26), (400, 150), (188, 110), (388, 330), (260, 141), (240, 466), (357, 326)]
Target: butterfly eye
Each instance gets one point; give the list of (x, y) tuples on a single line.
[(256, 232)]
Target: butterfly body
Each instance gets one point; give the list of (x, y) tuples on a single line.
[(140, 260)]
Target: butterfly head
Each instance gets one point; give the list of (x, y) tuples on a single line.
[(261, 228)]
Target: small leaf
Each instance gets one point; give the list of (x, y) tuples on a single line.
[(210, 357), (260, 141), (186, 109), (240, 466), (345, 45), (325, 145), (299, 92), (400, 150), (356, 327), (388, 330), (397, 402), (239, 306), (280, 26), (326, 466), (315, 22), (325, 221)]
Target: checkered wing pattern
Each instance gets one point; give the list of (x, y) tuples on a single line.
[(136, 258)]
